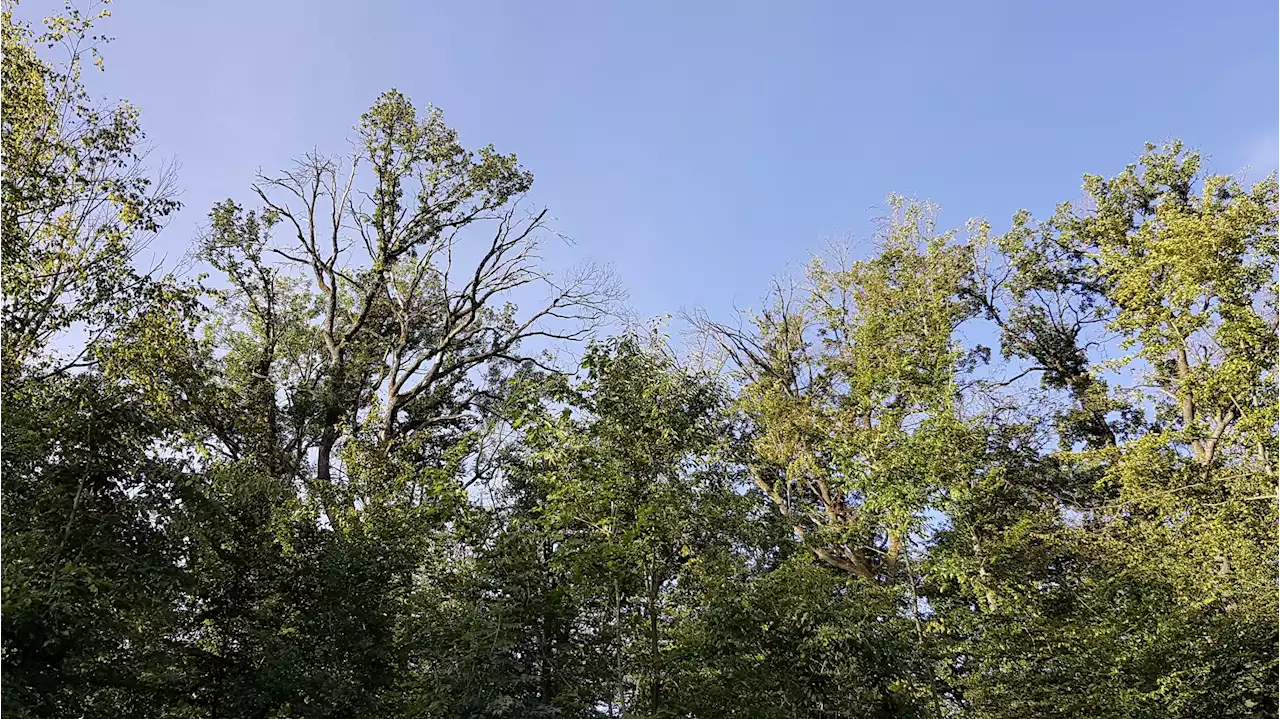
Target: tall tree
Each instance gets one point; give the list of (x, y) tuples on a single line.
[(348, 374), (850, 390), (402, 332), (89, 572), (1132, 571)]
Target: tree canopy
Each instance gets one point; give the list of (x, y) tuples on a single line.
[(339, 475)]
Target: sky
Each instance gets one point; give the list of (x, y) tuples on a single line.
[(703, 148)]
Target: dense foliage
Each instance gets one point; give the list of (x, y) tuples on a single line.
[(341, 476)]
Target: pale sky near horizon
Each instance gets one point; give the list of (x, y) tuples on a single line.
[(702, 147)]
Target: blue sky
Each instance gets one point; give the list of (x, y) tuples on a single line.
[(702, 147)]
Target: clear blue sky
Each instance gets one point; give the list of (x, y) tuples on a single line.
[(701, 147)]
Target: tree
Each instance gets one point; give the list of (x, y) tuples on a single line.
[(850, 391), (89, 569), (613, 505), (78, 202), (349, 374), (1131, 572), (398, 333)]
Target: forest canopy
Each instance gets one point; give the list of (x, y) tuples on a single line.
[(338, 475)]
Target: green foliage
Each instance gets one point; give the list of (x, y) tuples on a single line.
[(90, 570), (337, 483), (77, 202), (1131, 573), (851, 394), (798, 641), (87, 573)]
